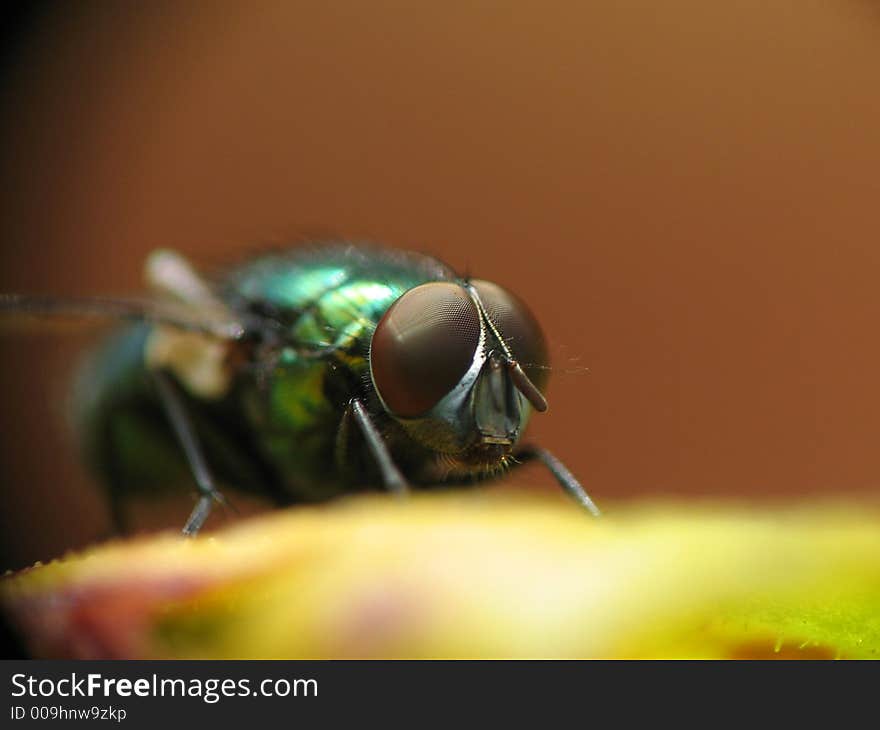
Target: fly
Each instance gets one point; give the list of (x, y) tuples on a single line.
[(306, 374)]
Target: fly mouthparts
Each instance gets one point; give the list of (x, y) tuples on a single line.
[(497, 440), (525, 386)]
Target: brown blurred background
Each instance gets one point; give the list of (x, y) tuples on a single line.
[(687, 193)]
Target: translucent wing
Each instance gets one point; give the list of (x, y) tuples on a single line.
[(210, 321), (184, 302)]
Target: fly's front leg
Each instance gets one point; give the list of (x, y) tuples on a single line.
[(391, 476), (565, 478), (186, 435)]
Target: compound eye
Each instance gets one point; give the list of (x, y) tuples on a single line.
[(423, 346), (518, 327)]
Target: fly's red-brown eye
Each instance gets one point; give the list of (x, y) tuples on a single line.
[(518, 327), (422, 347)]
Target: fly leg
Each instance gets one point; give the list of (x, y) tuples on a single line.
[(115, 484), (117, 513), (391, 476), (183, 429), (565, 478)]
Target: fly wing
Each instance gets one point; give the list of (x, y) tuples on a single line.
[(183, 301), (25, 309)]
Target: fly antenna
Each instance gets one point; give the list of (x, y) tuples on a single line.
[(522, 381), (525, 386)]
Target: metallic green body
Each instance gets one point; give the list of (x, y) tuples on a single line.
[(329, 300), (280, 429)]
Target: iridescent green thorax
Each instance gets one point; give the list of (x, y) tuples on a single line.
[(332, 295), (326, 302)]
